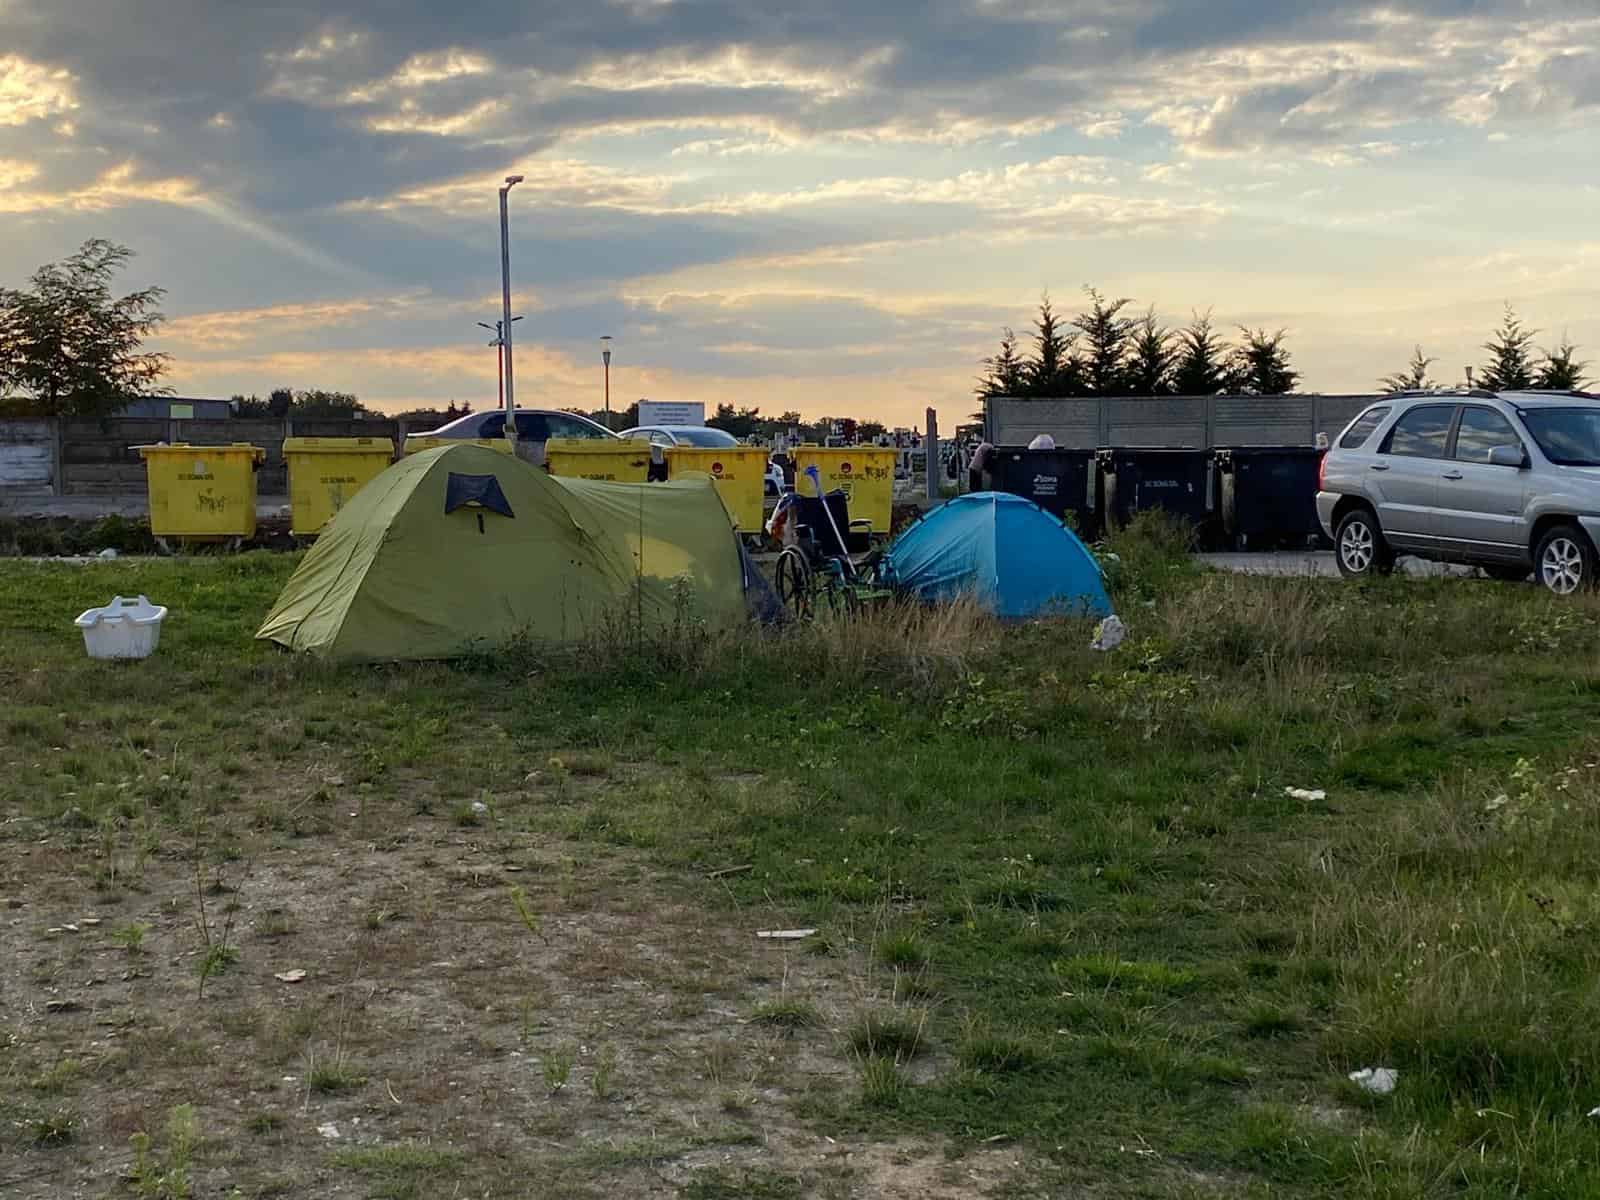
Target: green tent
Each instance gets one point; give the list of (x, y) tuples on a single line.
[(464, 547)]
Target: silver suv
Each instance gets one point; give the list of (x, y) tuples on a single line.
[(1507, 481)]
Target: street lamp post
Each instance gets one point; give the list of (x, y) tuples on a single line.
[(605, 357), (499, 343), (510, 402)]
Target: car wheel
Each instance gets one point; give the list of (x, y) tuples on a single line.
[(1505, 574), (1359, 548), (1565, 560)]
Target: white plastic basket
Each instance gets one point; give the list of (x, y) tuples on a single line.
[(122, 629)]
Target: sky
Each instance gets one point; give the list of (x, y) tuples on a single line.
[(830, 206)]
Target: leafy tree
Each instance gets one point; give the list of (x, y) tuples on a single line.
[(1202, 367), (279, 402), (740, 422), (1510, 367), (1414, 378), (1152, 360), (1007, 374), (1562, 370), (870, 430), (71, 346), (1053, 370), (1107, 336), (324, 405), (1261, 364), (249, 406)]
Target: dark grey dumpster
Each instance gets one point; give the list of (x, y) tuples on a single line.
[(1269, 494), (1058, 481), (1180, 481)]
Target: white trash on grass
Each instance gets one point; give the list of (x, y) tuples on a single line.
[(1305, 793), (1380, 1081), (122, 629), (1109, 633)]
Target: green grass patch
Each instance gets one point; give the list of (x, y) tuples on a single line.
[(1130, 924)]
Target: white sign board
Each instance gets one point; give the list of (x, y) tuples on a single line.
[(657, 412)]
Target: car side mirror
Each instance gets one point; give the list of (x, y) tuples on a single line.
[(1508, 456)]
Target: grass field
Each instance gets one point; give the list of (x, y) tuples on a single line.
[(1075, 938)]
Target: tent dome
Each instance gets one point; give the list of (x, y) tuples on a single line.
[(462, 547), (1004, 551)]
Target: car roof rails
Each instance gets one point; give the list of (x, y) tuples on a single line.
[(1477, 392), (1573, 392)]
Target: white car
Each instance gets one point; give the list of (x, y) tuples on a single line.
[(533, 425), (702, 436)]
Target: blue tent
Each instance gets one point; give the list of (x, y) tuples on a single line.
[(1004, 551)]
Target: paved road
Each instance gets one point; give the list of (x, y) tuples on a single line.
[(1318, 563)]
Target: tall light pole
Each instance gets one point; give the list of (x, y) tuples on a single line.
[(505, 304), (605, 357), (498, 329)]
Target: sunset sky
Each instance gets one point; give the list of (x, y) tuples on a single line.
[(822, 205)]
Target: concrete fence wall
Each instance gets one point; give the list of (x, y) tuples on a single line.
[(1178, 422), (29, 462), (71, 458)]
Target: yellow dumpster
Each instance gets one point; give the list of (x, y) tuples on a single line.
[(619, 460), (863, 473), (206, 492), (324, 472), (416, 443), (738, 471)]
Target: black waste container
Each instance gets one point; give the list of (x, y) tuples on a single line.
[(1181, 481), (1269, 493), (1058, 481)]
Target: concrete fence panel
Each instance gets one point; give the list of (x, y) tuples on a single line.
[(27, 457), (1155, 421)]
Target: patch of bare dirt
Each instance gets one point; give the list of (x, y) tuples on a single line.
[(481, 1013)]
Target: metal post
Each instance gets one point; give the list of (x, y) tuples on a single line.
[(605, 357), (500, 360), (930, 454), (510, 402)]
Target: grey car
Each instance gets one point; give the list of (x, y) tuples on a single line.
[(1508, 481)]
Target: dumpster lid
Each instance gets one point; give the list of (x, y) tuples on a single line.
[(337, 445), (189, 448), (597, 445)]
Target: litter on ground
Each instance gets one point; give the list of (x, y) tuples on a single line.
[(1108, 635), (1380, 1081), (1295, 793)]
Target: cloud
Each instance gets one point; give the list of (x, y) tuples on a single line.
[(30, 91), (116, 186), (322, 176)]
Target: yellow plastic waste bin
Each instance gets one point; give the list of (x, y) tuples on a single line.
[(619, 460), (863, 473), (325, 472), (738, 471), (202, 492), (416, 443)]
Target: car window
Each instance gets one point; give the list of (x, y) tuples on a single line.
[(1480, 431), (1569, 437), (715, 439), (1358, 433), (571, 427), (494, 425), (1421, 433), (532, 426)]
